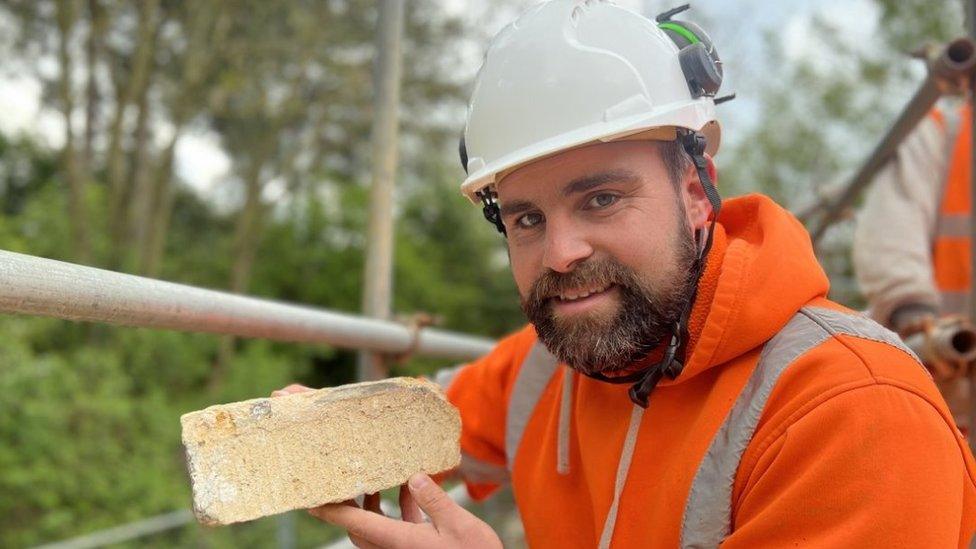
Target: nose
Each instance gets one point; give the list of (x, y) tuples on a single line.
[(565, 246)]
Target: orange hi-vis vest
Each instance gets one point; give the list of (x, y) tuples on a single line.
[(951, 248), (795, 423)]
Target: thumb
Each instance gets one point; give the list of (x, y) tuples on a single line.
[(432, 499)]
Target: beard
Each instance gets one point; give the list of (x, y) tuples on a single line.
[(602, 341)]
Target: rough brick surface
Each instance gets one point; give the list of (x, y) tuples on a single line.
[(270, 455)]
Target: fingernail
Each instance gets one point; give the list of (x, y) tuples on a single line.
[(418, 481)]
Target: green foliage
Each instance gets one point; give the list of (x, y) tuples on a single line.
[(451, 262), (89, 414), (78, 439)]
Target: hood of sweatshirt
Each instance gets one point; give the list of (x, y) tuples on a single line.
[(761, 270)]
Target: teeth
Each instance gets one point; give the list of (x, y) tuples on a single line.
[(569, 296)]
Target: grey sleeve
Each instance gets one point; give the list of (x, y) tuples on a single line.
[(895, 229)]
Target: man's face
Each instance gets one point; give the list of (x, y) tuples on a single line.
[(601, 245)]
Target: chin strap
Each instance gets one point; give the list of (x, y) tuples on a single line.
[(673, 360), (489, 207)]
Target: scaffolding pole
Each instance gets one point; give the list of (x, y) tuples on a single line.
[(126, 532), (44, 287)]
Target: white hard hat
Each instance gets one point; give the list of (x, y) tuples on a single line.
[(572, 72)]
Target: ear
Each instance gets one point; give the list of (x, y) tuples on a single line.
[(697, 206)]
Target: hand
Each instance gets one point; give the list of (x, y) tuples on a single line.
[(290, 390), (912, 318), (451, 525), (948, 347)]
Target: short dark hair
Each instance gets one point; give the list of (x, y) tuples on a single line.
[(676, 160)]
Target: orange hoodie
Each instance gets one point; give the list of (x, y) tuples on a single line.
[(795, 422)]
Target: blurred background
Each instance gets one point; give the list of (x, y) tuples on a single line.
[(227, 145)]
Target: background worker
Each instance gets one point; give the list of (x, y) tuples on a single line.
[(912, 244)]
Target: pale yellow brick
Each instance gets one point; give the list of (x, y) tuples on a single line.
[(270, 455)]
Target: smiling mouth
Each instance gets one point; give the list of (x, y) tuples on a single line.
[(569, 296)]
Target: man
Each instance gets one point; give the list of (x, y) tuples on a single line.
[(684, 381), (916, 271)]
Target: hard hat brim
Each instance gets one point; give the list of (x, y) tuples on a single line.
[(658, 124)]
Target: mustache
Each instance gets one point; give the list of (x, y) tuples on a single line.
[(588, 274)]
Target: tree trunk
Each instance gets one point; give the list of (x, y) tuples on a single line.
[(151, 256), (119, 190), (66, 14), (134, 239), (208, 29), (96, 33), (246, 236), (247, 230), (113, 156)]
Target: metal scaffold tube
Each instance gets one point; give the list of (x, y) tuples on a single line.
[(45, 287), (126, 532)]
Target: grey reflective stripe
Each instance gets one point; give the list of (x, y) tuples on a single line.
[(952, 226), (565, 411), (623, 467), (445, 376), (475, 470), (954, 302), (708, 511), (856, 325), (536, 371)]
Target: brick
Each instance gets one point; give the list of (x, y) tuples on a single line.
[(270, 455)]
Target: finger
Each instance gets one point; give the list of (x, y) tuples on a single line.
[(433, 500), (372, 503), (362, 543), (370, 527), (354, 539), (408, 507), (290, 390), (314, 511)]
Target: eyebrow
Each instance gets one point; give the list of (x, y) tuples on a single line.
[(515, 207), (587, 182)]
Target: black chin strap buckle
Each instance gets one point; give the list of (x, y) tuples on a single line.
[(669, 366), (694, 144), (490, 208)]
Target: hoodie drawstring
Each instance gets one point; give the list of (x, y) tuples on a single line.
[(565, 411)]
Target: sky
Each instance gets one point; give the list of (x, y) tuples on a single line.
[(201, 162)]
